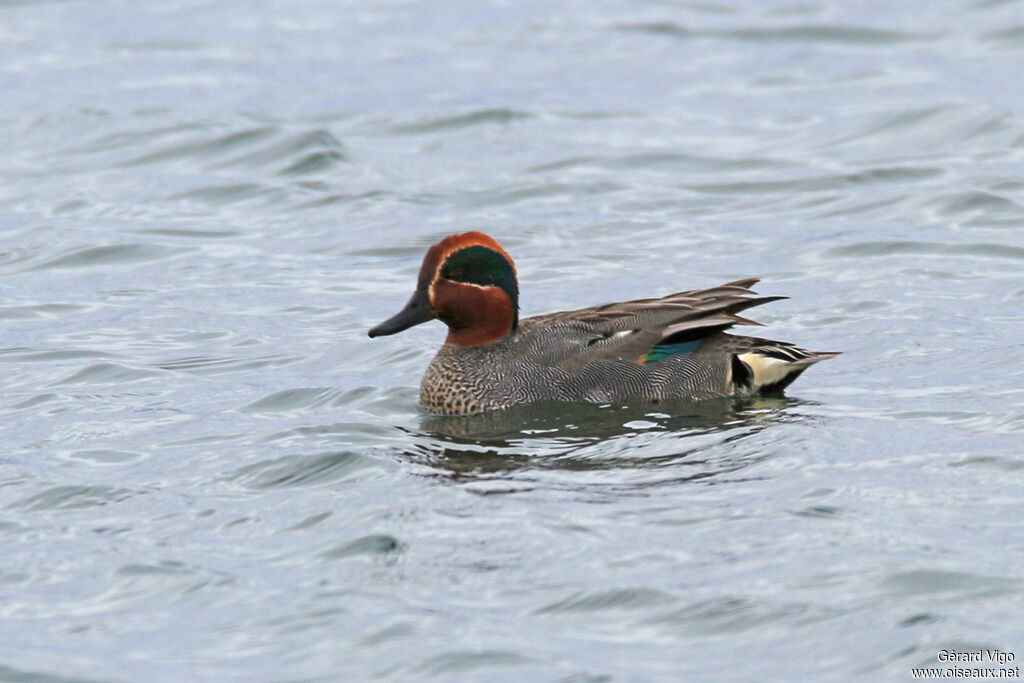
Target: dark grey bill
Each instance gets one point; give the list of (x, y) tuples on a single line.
[(415, 312)]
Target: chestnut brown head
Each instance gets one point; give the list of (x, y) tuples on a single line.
[(467, 281)]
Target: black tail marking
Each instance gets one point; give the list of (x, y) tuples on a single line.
[(782, 383), (742, 375)]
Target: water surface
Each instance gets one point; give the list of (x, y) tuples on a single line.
[(210, 472)]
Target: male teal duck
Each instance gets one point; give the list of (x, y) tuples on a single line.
[(633, 352)]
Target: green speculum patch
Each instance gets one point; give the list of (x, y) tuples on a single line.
[(662, 351)]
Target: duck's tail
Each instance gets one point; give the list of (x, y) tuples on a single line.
[(771, 366)]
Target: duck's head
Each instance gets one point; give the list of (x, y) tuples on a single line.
[(467, 281)]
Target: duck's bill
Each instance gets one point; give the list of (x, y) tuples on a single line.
[(415, 312)]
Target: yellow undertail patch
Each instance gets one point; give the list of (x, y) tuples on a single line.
[(766, 370)]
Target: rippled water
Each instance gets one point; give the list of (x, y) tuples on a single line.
[(211, 473)]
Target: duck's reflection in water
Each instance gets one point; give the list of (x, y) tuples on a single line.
[(698, 440)]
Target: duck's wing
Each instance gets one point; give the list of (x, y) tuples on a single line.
[(643, 330)]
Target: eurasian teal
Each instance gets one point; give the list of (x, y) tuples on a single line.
[(633, 352)]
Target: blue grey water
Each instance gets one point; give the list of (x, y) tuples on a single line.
[(210, 473)]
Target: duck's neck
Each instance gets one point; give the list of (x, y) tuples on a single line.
[(475, 315)]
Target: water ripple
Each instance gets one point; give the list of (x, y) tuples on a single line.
[(201, 148), (892, 248), (73, 498), (373, 545), (823, 33), (467, 120), (879, 176), (626, 598), (299, 470), (107, 373), (110, 255)]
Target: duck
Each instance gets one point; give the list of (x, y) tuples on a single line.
[(639, 352)]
